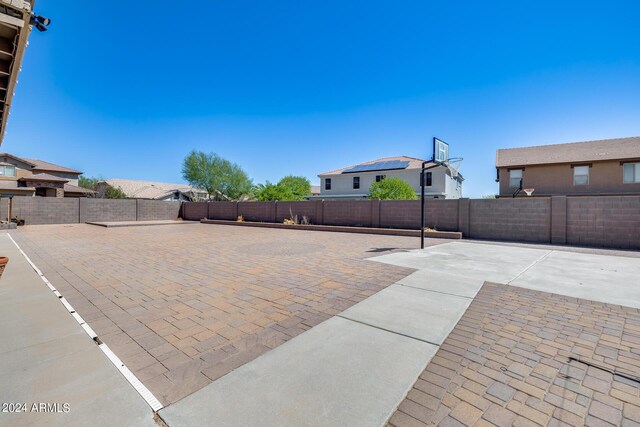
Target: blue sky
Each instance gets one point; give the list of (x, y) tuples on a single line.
[(301, 87)]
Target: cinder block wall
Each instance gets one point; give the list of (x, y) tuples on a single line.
[(42, 210), (257, 211), (400, 214), (223, 210), (107, 210), (288, 209), (520, 219), (604, 221), (195, 211), (150, 210), (441, 214), (56, 210), (355, 213)]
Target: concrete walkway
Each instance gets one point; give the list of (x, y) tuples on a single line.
[(46, 357), (595, 277), (355, 368)]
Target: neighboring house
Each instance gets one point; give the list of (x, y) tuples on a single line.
[(152, 190), (315, 190), (32, 177), (354, 182), (610, 166)]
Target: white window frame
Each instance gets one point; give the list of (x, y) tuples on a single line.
[(356, 182), (578, 168), (327, 184), (635, 172), (515, 184)]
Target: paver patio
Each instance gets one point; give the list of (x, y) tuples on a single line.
[(183, 306), (507, 362)]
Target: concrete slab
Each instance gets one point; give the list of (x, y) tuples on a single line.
[(609, 279), (444, 282), (416, 313), (46, 357), (483, 262), (337, 373), (115, 224)]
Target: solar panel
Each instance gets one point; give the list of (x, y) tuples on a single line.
[(379, 166)]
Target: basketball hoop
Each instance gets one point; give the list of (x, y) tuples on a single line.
[(529, 191)]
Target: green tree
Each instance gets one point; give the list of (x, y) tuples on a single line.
[(393, 188), (299, 186), (270, 192), (114, 193), (88, 183), (217, 176)]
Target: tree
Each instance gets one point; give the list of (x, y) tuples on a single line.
[(270, 192), (217, 176), (299, 186), (393, 188), (114, 193), (88, 183)]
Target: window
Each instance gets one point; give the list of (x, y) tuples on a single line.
[(7, 171), (580, 175), (380, 177), (428, 179), (515, 177), (631, 172), (356, 182), (327, 183)]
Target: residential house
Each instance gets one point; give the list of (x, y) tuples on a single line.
[(135, 189), (354, 182), (21, 176), (610, 166)]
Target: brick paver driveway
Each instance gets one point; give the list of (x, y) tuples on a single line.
[(183, 305), (525, 358)]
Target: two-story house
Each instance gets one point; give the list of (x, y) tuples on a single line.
[(354, 182), (33, 177), (610, 166)]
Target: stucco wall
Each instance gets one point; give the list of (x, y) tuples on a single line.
[(604, 178), (342, 184)]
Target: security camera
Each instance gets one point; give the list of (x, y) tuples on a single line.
[(40, 22)]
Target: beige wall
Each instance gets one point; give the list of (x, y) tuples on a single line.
[(604, 178)]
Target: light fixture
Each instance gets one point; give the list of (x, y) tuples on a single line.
[(40, 22)]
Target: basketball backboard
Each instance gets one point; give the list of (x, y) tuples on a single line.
[(440, 151)]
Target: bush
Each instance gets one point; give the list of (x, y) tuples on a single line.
[(393, 188)]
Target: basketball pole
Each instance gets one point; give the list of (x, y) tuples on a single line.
[(434, 164), (422, 179)]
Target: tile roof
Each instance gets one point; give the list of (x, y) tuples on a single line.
[(149, 189), (13, 185), (43, 177), (589, 151), (50, 167), (68, 188)]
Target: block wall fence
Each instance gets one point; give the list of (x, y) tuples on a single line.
[(53, 210), (602, 221)]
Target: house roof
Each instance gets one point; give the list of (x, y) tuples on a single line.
[(588, 151), (149, 189), (41, 165), (13, 185), (68, 188), (43, 177), (14, 33), (414, 163)]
